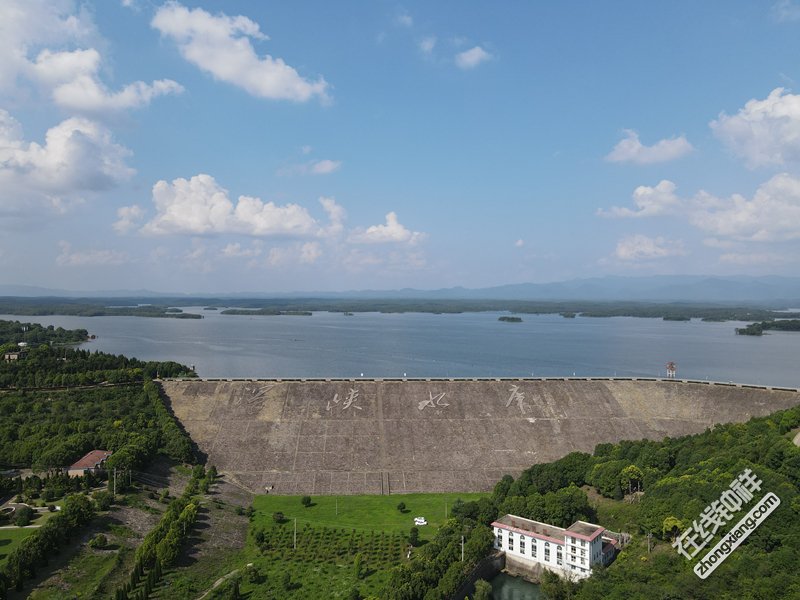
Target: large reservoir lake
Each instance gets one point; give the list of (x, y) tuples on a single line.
[(444, 345)]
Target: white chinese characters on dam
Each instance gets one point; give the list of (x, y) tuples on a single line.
[(518, 397), (349, 402), (433, 401)]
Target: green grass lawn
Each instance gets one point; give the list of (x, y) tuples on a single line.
[(363, 513), (10, 539), (330, 532)]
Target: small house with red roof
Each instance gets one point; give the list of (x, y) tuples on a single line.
[(91, 463)]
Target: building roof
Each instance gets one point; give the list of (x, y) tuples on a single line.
[(579, 529), (584, 530), (532, 528), (92, 459)]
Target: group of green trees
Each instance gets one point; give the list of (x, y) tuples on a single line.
[(50, 430), (760, 328), (36, 549), (162, 544), (33, 334)]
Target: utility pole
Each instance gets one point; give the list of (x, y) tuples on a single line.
[(649, 535), (337, 507), (115, 481), (445, 510), (295, 533), (462, 548)]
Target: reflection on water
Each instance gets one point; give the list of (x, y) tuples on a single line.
[(506, 587)]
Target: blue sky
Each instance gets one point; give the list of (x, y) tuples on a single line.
[(295, 146)]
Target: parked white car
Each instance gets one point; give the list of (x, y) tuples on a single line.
[(420, 521)]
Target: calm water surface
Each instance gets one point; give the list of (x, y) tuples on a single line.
[(505, 587), (428, 345)]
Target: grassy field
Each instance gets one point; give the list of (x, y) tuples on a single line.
[(363, 513), (330, 533), (10, 539)]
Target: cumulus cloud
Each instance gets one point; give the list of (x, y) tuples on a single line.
[(763, 132), (649, 202), (78, 155), (638, 247), (71, 77), (310, 252), (336, 216), (630, 149), (773, 214), (469, 59), (128, 218), (405, 20), (390, 232), (222, 46), (201, 206), (519, 243), (76, 85), (89, 258), (427, 44)]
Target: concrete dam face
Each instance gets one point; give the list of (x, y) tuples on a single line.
[(389, 436)]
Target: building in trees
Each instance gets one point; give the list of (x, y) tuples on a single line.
[(91, 463), (571, 552)]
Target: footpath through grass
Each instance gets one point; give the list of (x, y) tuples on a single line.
[(363, 513)]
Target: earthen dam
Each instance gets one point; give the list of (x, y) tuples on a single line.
[(399, 436)]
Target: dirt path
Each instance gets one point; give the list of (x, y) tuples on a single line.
[(220, 581)]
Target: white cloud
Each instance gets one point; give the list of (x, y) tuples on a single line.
[(638, 247), (718, 243), (325, 166), (314, 167), (427, 44), (200, 206), (772, 215), (89, 258), (222, 45), (764, 132), (128, 218), (649, 201), (235, 250), (391, 232), (469, 59), (630, 149), (785, 10), (310, 252), (78, 155), (29, 24), (405, 20), (71, 77), (306, 149), (519, 243), (336, 216)]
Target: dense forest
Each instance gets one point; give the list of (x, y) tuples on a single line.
[(165, 307), (760, 328), (50, 359), (678, 478)]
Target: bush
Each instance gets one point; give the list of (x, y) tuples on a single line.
[(23, 516), (278, 517), (98, 541), (305, 501), (401, 507), (413, 536)]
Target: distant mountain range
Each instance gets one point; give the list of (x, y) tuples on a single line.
[(660, 288)]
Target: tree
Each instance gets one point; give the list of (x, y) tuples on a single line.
[(98, 541), (401, 507), (631, 478), (483, 590), (357, 565), (278, 517), (306, 501), (23, 516), (413, 536)]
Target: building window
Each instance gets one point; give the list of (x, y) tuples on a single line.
[(522, 546), (510, 543), (533, 547), (547, 554), (583, 552)]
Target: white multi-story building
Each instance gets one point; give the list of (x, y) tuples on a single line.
[(571, 552)]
